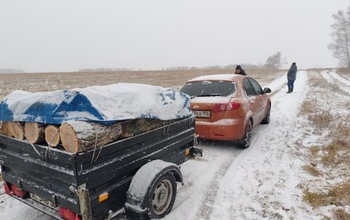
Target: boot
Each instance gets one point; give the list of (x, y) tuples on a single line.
[(291, 90)]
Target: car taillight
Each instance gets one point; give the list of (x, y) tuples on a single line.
[(68, 214), (226, 106)]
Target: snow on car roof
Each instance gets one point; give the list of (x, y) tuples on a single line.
[(226, 77)]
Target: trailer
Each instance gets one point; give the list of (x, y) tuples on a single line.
[(136, 175)]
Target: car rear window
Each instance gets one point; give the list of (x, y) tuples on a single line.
[(209, 88)]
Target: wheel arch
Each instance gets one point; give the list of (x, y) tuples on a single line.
[(144, 180), (249, 117)]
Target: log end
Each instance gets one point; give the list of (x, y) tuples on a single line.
[(69, 138), (16, 129), (34, 132), (52, 136), (4, 128)]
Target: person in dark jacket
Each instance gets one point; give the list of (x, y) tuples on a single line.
[(291, 76), (239, 70)]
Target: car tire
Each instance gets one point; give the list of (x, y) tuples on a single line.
[(266, 120), (247, 137)]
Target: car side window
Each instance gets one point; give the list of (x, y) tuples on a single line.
[(248, 87), (257, 88)]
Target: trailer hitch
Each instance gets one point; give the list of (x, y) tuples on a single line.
[(196, 151)]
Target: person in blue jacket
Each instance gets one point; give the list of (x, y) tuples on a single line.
[(291, 76)]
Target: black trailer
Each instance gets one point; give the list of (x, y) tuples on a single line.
[(137, 174)]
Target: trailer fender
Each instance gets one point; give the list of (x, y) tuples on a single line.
[(152, 190)]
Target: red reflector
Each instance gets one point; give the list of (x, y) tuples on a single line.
[(7, 188), (68, 214), (17, 191)]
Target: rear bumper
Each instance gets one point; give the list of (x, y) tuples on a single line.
[(224, 130)]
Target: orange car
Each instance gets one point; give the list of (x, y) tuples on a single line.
[(228, 106)]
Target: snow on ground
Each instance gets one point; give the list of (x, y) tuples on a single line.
[(260, 182)]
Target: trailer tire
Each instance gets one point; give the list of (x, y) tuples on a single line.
[(152, 195), (161, 197)]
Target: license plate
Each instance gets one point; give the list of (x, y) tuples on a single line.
[(202, 114), (42, 200)]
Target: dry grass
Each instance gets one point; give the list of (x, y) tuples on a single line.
[(308, 107), (336, 154), (317, 82), (321, 119), (344, 71), (328, 164), (312, 170), (318, 117), (341, 214), (337, 195)]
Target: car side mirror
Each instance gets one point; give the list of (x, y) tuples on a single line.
[(267, 90)]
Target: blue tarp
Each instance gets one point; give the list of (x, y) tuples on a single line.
[(104, 104)]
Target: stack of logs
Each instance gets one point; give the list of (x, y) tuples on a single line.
[(77, 136)]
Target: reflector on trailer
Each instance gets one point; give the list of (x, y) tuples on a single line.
[(68, 214), (103, 197), (18, 192), (7, 188)]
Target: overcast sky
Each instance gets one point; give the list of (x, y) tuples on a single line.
[(68, 35)]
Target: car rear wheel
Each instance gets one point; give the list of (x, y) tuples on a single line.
[(266, 120), (245, 142)]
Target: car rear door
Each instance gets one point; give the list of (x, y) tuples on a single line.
[(254, 102), (261, 100)]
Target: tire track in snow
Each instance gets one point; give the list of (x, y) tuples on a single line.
[(340, 78), (335, 79), (200, 178), (213, 188), (206, 208)]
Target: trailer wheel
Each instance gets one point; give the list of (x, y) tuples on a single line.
[(162, 196), (152, 191)]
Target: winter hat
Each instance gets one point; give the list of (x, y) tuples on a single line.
[(294, 63), (238, 67)]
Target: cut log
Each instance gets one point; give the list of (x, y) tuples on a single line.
[(4, 128), (16, 129), (52, 136), (138, 126), (78, 136), (34, 132)]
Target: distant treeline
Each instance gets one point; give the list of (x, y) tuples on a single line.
[(230, 67), (105, 69), (216, 67), (7, 70)]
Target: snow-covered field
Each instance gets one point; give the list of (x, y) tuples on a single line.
[(263, 181)]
